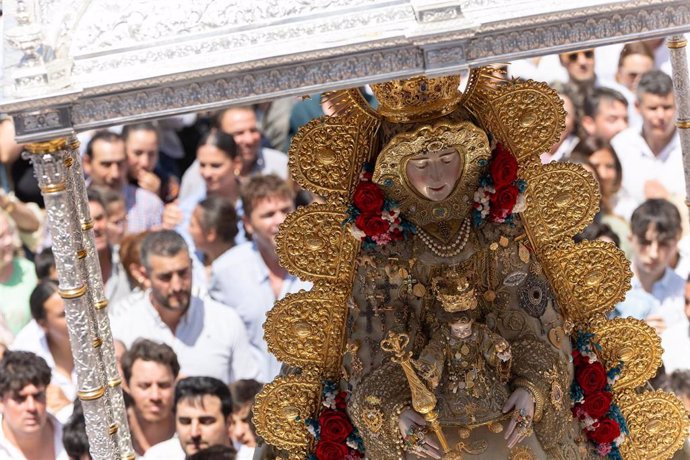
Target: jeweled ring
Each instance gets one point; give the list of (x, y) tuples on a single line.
[(415, 437), (522, 420)]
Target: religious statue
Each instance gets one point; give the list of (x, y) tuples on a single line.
[(452, 314)]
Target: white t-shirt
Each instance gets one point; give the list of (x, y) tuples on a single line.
[(676, 343), (8, 451), (210, 340), (166, 450)]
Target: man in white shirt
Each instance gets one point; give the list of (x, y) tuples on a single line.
[(203, 418), (150, 370), (651, 158), (27, 431), (657, 291), (208, 337), (605, 113), (249, 277)]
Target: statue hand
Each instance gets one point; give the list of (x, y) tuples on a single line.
[(413, 426), (520, 426)]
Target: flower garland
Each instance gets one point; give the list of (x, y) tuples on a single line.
[(373, 219), (500, 193), (336, 437), (591, 392)]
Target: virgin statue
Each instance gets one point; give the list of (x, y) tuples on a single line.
[(452, 314)]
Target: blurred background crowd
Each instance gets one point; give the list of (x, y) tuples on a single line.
[(186, 211)]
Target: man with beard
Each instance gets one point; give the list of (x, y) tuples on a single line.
[(208, 337), (150, 370), (27, 431), (203, 418)]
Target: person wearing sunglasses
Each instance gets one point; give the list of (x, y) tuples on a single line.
[(579, 65)]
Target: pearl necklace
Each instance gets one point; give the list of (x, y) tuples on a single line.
[(447, 250)]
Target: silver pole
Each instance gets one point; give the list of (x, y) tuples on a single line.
[(681, 87)]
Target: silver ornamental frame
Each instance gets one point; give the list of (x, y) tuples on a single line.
[(72, 65)]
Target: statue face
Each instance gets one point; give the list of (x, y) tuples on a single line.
[(434, 174)]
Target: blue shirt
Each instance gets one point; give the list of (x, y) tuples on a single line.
[(667, 299)]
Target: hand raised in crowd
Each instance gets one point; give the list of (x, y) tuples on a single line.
[(657, 322), (149, 181), (172, 215)]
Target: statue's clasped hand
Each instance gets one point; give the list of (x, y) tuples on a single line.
[(416, 436), (521, 402)]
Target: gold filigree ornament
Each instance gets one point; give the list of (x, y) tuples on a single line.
[(633, 342), (417, 99), (314, 245), (468, 140), (306, 329), (562, 199), (527, 116), (281, 408), (327, 155), (588, 278), (658, 424)]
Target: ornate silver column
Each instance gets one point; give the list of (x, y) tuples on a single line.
[(681, 87), (58, 170)]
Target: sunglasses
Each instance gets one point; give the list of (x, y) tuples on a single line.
[(572, 57)]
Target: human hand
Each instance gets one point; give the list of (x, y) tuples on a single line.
[(172, 216), (149, 181), (413, 429), (520, 426), (657, 322)]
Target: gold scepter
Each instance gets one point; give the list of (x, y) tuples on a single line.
[(423, 400)]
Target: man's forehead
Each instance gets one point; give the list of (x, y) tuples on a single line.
[(207, 404), (108, 151), (169, 264), (235, 118)]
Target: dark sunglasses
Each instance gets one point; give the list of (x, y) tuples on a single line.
[(572, 57)]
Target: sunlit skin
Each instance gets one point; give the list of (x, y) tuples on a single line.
[(152, 387), (25, 411), (142, 152), (581, 67), (170, 281), (605, 165), (434, 174), (7, 248), (100, 225), (266, 216), (218, 171), (108, 166), (54, 323), (241, 125), (652, 255), (658, 116), (241, 432), (632, 68), (200, 424), (611, 118)]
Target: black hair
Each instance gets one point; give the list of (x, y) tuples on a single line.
[(661, 214), (102, 135), (42, 292), (144, 126), (218, 213), (44, 262), (596, 230), (148, 350), (244, 391), (679, 381), (195, 388), (21, 368), (222, 141), (592, 101), (74, 437), (217, 452), (654, 82), (163, 243)]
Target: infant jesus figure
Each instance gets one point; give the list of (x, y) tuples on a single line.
[(465, 364)]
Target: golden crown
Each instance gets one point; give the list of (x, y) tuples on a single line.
[(455, 293), (418, 98)]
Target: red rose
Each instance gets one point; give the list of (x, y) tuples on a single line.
[(503, 201), (368, 198), (341, 400), (597, 404), (504, 167), (579, 359), (335, 425), (328, 450), (591, 377), (372, 224), (605, 431)]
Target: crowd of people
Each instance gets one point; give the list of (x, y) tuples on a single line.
[(186, 212)]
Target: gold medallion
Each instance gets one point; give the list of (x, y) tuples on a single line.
[(556, 335)]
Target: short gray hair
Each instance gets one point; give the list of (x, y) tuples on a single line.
[(163, 243)]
